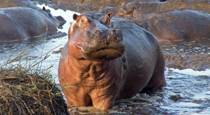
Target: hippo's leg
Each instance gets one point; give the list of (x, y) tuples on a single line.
[(101, 101), (158, 78), (77, 97)]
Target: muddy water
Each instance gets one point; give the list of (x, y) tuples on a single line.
[(187, 91)]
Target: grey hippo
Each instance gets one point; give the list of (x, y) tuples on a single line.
[(23, 23), (179, 25)]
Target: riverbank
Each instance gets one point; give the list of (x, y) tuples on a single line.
[(26, 91)]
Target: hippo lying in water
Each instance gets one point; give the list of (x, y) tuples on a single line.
[(106, 59), (179, 25), (22, 23)]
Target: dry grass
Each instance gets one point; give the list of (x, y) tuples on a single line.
[(28, 90)]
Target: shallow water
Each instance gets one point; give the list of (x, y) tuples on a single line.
[(187, 91)]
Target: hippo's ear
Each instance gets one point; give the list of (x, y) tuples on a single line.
[(75, 16), (109, 14), (107, 18), (43, 8)]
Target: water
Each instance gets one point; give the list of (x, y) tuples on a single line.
[(187, 91)]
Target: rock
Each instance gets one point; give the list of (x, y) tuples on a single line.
[(175, 97)]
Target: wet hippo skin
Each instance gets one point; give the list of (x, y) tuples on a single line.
[(108, 59), (22, 23)]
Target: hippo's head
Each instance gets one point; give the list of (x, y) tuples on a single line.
[(60, 21), (93, 38)]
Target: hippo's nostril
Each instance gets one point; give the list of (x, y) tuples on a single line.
[(97, 32), (114, 31), (115, 35)]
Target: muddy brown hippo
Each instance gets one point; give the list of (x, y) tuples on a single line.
[(107, 59), (179, 25), (22, 23)]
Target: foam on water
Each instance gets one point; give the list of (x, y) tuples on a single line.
[(191, 72), (202, 96)]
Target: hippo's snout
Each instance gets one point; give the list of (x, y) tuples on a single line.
[(108, 36), (104, 44)]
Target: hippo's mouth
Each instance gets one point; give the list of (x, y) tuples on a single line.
[(105, 53)]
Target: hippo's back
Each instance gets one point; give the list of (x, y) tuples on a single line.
[(34, 22), (9, 30), (20, 23), (180, 25)]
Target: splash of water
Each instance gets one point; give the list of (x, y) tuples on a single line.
[(191, 72)]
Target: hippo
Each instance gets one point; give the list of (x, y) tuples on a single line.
[(179, 25), (23, 23), (108, 58)]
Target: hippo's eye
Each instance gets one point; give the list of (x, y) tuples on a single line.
[(84, 22), (84, 19)]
